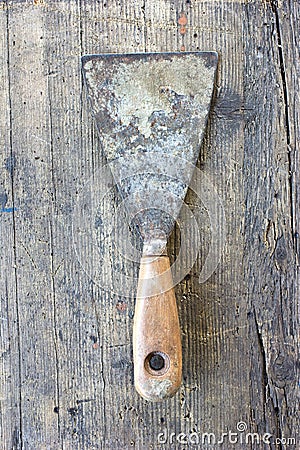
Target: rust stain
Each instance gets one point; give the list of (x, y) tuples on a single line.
[(121, 306), (182, 48), (182, 21), (95, 346)]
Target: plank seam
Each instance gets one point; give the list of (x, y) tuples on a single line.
[(18, 437)]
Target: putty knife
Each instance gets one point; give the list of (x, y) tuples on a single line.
[(151, 111)]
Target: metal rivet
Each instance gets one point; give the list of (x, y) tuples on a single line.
[(156, 361)]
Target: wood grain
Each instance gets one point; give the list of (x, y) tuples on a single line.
[(9, 318), (66, 341)]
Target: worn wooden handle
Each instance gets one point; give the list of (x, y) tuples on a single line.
[(156, 333)]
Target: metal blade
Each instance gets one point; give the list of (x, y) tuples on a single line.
[(151, 111)]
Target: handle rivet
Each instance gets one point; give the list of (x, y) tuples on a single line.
[(156, 361)]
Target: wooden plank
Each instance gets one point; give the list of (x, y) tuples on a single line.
[(213, 314), (270, 261), (287, 20), (67, 363), (10, 422), (32, 192), (79, 406), (94, 335)]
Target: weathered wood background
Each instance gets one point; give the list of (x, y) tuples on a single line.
[(66, 354)]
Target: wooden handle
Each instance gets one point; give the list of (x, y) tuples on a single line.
[(156, 333)]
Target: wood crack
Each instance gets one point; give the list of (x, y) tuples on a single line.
[(98, 323), (53, 271), (51, 139), (265, 380), (55, 331), (17, 435), (266, 385), (274, 6), (143, 9)]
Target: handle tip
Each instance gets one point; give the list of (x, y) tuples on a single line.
[(160, 378), (156, 390)]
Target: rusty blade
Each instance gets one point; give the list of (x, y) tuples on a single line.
[(151, 111)]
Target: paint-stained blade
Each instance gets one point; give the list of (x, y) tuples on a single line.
[(151, 111)]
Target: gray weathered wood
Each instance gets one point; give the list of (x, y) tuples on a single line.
[(9, 318), (66, 351)]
